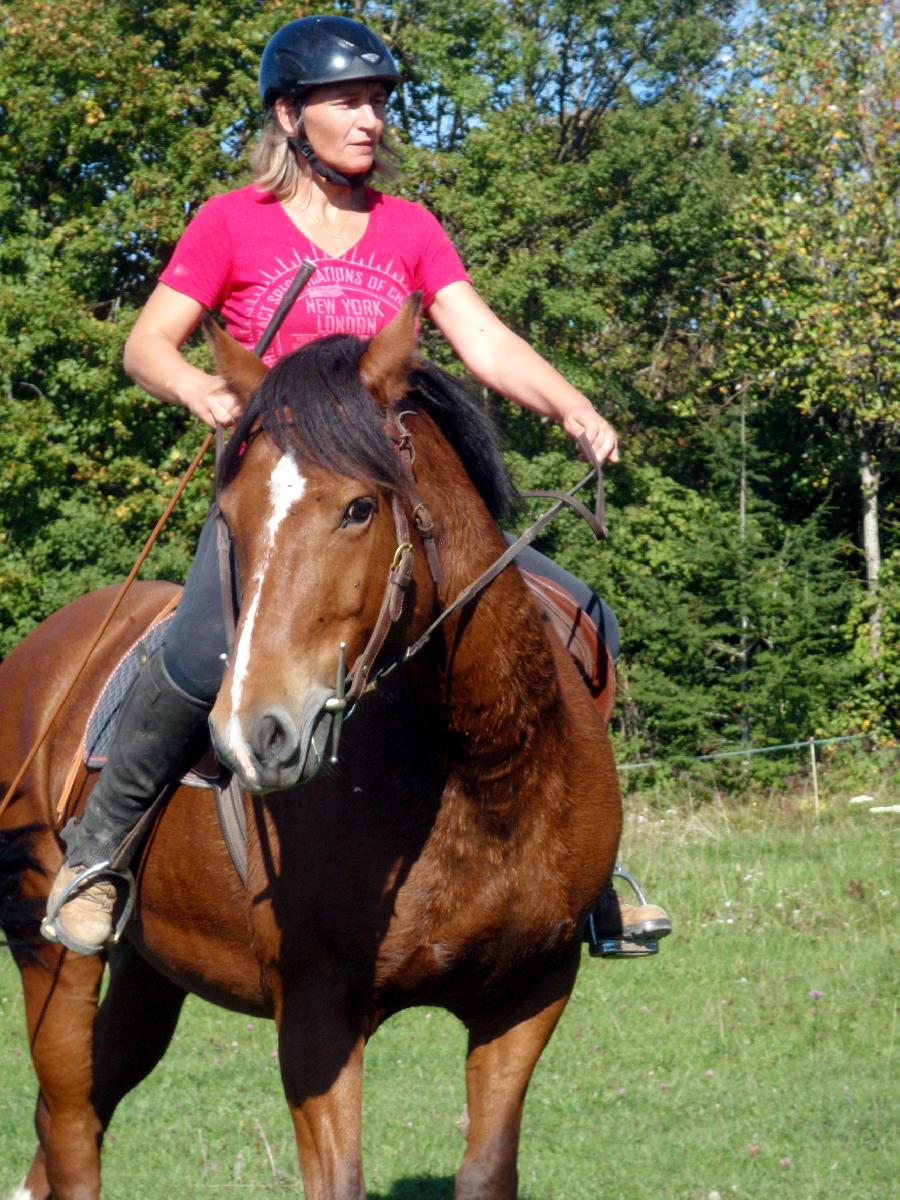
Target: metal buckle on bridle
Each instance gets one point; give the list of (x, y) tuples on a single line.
[(403, 548), (338, 702)]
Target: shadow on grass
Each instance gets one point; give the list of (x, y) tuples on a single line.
[(420, 1187)]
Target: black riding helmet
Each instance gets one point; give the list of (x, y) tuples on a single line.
[(318, 50)]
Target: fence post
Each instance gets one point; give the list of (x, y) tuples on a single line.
[(815, 775)]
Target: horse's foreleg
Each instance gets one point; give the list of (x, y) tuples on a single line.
[(36, 1185), (321, 1053), (133, 1028), (502, 1056), (60, 1004)]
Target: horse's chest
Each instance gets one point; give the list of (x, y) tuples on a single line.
[(453, 928)]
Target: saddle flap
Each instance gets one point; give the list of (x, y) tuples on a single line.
[(579, 635)]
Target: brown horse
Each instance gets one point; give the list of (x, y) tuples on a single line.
[(451, 856)]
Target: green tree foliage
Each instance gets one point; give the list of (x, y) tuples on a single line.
[(618, 198), (114, 122), (811, 320)]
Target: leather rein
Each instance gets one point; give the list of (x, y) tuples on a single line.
[(595, 520), (350, 685)]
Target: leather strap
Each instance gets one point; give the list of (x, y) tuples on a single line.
[(595, 521), (421, 517), (398, 580), (233, 823)]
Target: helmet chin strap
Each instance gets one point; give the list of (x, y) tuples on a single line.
[(350, 181)]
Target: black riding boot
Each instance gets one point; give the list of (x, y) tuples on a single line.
[(156, 725)]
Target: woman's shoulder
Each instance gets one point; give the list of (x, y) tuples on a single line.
[(408, 215), (401, 209), (246, 199)]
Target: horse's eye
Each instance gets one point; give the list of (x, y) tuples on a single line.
[(358, 511)]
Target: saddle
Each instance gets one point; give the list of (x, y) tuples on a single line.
[(558, 608), (207, 772)]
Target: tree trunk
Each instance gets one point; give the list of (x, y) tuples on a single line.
[(744, 652), (870, 476)]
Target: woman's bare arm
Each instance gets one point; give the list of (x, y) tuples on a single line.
[(153, 359)]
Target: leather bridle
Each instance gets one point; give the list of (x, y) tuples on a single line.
[(350, 685)]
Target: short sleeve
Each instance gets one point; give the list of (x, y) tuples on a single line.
[(200, 266), (439, 262)]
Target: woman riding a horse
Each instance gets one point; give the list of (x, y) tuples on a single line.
[(325, 83)]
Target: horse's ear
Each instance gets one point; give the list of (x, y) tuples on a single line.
[(386, 364), (243, 370)]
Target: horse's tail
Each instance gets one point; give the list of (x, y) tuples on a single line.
[(19, 915)]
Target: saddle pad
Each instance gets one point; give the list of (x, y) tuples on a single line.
[(104, 718)]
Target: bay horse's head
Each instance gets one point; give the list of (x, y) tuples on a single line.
[(316, 496)]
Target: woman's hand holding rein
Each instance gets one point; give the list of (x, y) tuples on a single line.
[(208, 397), (153, 359), (586, 420)]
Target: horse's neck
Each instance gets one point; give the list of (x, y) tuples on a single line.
[(501, 687)]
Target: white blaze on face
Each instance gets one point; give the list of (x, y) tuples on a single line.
[(286, 488)]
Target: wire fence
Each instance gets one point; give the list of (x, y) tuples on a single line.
[(810, 745)]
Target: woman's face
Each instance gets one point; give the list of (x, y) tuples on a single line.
[(343, 123)]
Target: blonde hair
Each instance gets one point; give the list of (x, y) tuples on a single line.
[(275, 165), (278, 168)]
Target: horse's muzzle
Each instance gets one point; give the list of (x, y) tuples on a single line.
[(271, 748)]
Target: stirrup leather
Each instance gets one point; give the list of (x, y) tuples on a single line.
[(87, 876), (601, 946)]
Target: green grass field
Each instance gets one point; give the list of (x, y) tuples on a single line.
[(752, 1058)]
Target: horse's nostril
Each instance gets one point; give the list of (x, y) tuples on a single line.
[(275, 738), (271, 733)]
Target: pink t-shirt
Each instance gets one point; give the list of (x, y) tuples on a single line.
[(240, 252)]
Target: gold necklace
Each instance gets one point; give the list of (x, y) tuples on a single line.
[(337, 237)]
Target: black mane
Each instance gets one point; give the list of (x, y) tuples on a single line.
[(314, 406)]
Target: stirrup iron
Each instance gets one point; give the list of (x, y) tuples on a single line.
[(600, 946), (87, 876)]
